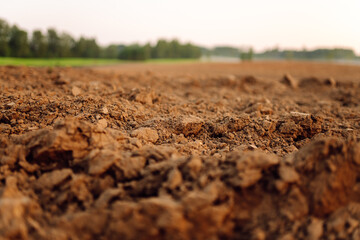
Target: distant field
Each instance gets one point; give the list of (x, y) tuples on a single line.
[(266, 69), (77, 62)]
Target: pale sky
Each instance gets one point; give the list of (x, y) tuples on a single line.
[(258, 23)]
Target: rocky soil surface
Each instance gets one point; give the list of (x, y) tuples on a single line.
[(180, 152)]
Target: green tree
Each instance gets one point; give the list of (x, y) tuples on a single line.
[(111, 51), (86, 48), (4, 38), (134, 52), (247, 55), (160, 49), (38, 45), (147, 51), (53, 41), (18, 42), (67, 44), (185, 51), (80, 47), (174, 49), (251, 54), (190, 51), (92, 49)]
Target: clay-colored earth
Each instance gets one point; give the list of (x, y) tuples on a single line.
[(180, 151)]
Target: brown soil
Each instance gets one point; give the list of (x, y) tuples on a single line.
[(186, 151)]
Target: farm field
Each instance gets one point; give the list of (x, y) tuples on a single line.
[(253, 150)]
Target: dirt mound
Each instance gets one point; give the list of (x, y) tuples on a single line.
[(125, 159)]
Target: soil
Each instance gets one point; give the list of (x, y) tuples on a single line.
[(267, 150)]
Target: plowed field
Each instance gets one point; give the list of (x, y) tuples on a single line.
[(267, 150)]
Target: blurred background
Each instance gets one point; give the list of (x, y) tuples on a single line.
[(79, 32)]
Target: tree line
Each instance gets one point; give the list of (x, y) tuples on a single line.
[(317, 54), (16, 42), (247, 54), (162, 49)]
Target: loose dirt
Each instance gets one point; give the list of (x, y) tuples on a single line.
[(186, 151)]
